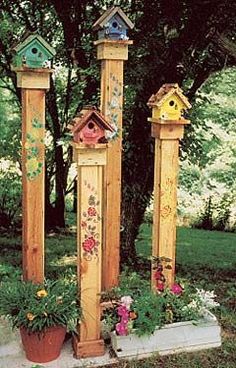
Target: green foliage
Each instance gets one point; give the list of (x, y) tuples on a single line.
[(10, 194), (205, 219), (215, 216), (37, 307), (9, 272), (150, 309)]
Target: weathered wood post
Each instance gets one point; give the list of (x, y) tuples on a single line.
[(167, 129), (112, 50), (90, 155), (34, 80)]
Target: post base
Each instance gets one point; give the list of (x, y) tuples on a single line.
[(86, 349)]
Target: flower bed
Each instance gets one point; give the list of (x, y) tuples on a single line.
[(172, 338), (171, 319)]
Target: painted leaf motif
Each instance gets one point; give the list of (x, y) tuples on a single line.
[(91, 200)]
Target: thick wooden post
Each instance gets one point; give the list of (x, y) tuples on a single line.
[(90, 163), (165, 194), (168, 123), (34, 83), (112, 53)]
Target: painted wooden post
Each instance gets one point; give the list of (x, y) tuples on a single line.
[(88, 130), (167, 129), (112, 50), (34, 80)]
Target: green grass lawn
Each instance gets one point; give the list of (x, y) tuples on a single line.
[(205, 258)]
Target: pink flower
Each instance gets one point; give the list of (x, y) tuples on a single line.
[(123, 311), (89, 244), (121, 329), (176, 289), (92, 211)]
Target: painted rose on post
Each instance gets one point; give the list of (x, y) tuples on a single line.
[(89, 225)]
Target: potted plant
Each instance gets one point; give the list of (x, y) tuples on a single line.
[(166, 321), (43, 313)]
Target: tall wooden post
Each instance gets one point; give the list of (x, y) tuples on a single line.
[(34, 83), (31, 56), (167, 129), (90, 163), (112, 50), (89, 129)]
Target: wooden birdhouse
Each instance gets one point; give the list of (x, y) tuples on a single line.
[(33, 52), (168, 103), (89, 127), (113, 25)]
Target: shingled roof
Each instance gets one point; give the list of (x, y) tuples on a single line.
[(166, 91), (86, 114)]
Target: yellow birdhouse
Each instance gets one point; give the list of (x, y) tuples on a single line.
[(168, 103)]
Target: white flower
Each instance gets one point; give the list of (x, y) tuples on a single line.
[(207, 299), (126, 301)]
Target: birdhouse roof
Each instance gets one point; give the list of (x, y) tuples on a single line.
[(87, 114), (166, 91), (29, 39), (109, 13)]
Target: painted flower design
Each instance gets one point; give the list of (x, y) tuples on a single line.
[(90, 224), (32, 164), (166, 211), (89, 244), (92, 211)]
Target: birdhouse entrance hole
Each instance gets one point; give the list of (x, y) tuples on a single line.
[(91, 125), (114, 24), (34, 50), (171, 103)]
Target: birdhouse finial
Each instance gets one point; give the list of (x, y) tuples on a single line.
[(113, 24), (89, 127), (169, 103), (32, 52)]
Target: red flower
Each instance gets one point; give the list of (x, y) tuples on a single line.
[(92, 211), (89, 244)]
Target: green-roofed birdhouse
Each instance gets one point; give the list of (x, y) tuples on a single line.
[(113, 25), (169, 103), (33, 52)]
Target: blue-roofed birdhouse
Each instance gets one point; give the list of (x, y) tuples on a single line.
[(113, 25), (33, 52)]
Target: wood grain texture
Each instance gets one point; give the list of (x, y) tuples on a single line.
[(89, 246), (111, 107), (88, 349), (33, 117), (167, 136)]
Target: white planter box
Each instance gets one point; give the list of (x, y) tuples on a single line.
[(170, 339)]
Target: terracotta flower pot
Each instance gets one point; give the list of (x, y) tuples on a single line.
[(42, 347)]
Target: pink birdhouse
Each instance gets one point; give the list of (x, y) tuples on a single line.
[(89, 127)]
